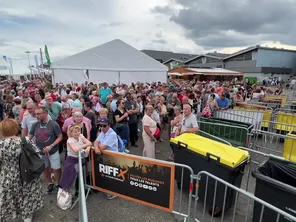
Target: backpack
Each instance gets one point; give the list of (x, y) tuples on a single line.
[(121, 145), (31, 164)]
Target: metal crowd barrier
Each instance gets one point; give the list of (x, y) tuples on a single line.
[(243, 203), (249, 117), (236, 135), (285, 110), (274, 144), (268, 104), (277, 127)]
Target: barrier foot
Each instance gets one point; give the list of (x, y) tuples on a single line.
[(76, 201)]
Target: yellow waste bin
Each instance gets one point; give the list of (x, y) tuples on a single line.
[(221, 160), (290, 147)]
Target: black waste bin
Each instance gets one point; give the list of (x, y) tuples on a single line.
[(203, 154), (276, 185)]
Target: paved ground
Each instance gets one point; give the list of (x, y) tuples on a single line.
[(101, 209)]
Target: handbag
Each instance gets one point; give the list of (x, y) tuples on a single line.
[(31, 164), (64, 199), (157, 133), (207, 112)]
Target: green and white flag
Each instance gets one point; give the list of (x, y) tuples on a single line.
[(47, 56)]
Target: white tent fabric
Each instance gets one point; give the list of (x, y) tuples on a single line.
[(112, 62)]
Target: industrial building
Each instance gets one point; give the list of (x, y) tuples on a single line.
[(256, 61)]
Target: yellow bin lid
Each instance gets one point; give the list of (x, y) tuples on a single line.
[(229, 155)]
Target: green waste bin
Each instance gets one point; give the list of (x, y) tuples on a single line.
[(232, 131)]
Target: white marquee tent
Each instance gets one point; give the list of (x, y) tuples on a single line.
[(112, 62)]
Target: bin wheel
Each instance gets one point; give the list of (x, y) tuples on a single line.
[(179, 185), (217, 212)]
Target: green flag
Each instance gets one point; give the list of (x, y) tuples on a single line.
[(47, 56)]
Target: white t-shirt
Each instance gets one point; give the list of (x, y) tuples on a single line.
[(148, 121), (77, 143), (189, 122)]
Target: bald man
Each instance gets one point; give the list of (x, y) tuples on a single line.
[(189, 122), (65, 99)]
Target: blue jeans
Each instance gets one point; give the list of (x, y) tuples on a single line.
[(123, 131)]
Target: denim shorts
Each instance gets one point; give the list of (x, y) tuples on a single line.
[(53, 160)]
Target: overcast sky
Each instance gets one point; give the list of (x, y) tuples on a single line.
[(191, 26)]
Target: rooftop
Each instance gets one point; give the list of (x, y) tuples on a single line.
[(166, 55)]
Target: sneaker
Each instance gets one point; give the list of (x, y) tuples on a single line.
[(110, 196), (50, 188), (127, 151)]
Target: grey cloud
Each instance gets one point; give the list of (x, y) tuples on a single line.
[(159, 41), (207, 22), (166, 10), (112, 24), (3, 43), (158, 34)]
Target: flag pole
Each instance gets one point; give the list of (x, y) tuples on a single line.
[(41, 56), (11, 68)]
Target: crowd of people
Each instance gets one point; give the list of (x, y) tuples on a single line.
[(62, 120)]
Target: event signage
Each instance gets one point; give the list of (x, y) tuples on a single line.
[(142, 180)]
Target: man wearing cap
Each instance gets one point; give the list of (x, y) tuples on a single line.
[(107, 140), (223, 102)]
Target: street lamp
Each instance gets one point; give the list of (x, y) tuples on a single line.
[(28, 53)]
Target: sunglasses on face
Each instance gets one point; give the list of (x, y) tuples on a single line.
[(103, 126)]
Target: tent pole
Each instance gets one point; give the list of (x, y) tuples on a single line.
[(118, 77), (52, 77)]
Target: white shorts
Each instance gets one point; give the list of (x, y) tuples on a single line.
[(54, 161)]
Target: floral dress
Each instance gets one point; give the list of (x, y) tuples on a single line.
[(16, 199)]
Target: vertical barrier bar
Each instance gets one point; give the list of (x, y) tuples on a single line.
[(82, 200)]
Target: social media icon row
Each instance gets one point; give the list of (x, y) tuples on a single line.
[(145, 186)]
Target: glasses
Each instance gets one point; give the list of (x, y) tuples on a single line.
[(103, 126), (38, 114)]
